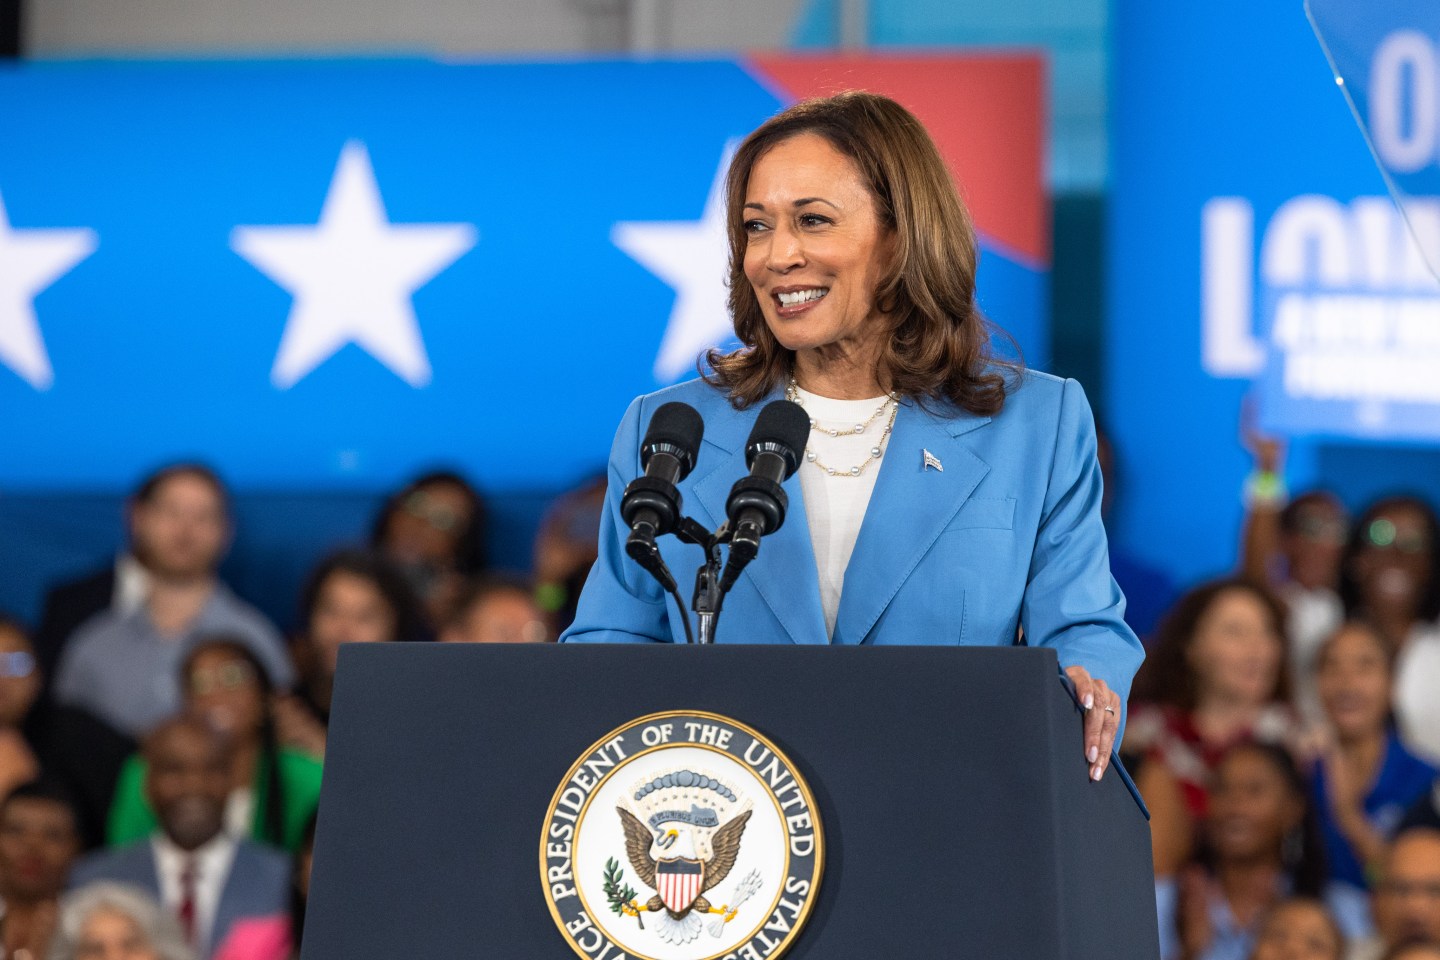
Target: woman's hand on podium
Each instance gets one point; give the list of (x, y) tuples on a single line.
[(1102, 717)]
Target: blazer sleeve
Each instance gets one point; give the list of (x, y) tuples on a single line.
[(1072, 603), (620, 602)]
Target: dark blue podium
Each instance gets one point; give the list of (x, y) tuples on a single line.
[(958, 815)]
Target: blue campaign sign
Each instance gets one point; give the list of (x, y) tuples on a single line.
[(1350, 304), (1254, 249), (328, 274), (1386, 58)]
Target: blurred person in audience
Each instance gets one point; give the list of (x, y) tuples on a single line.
[(1415, 951), (120, 664), (116, 921), (1148, 591), (1390, 577), (39, 841), (1406, 902), (1293, 546), (19, 688), (273, 789), (1425, 812), (566, 547), (496, 609), (1260, 844), (434, 531), (1366, 779), (354, 596), (75, 750), (278, 937), (1215, 677), (205, 877), (1299, 928)]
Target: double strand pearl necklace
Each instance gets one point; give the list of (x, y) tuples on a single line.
[(792, 393)]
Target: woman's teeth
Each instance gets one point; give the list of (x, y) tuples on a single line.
[(800, 296)]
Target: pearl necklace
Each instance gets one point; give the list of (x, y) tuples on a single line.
[(792, 393)]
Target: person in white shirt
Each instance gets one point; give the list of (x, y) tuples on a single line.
[(205, 877)]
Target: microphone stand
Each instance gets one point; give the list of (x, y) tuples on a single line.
[(709, 595)]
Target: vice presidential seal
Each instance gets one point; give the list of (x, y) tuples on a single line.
[(681, 836)]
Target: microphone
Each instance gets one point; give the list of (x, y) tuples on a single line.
[(651, 504), (757, 504)]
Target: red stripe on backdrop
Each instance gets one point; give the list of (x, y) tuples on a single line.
[(986, 112)]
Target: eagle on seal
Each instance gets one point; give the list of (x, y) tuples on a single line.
[(668, 861)]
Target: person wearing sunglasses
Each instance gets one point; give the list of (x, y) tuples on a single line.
[(1390, 577), (433, 530), (274, 790), (19, 687)]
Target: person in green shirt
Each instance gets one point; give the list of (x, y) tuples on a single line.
[(274, 790)]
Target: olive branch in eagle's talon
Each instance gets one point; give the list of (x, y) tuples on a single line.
[(620, 894)]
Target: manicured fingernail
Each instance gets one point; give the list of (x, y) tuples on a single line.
[(1093, 755), (1095, 773), (1089, 701)]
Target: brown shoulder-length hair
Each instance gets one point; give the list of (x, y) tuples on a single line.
[(939, 343), (1166, 677)]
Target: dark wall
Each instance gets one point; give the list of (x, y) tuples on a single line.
[(1077, 292), (10, 28), (278, 538)]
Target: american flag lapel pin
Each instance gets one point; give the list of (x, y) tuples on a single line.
[(930, 460)]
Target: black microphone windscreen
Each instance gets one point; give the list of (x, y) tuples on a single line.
[(678, 425), (784, 424)]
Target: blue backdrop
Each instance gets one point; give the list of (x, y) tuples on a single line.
[(1237, 173), (503, 252), (324, 276)]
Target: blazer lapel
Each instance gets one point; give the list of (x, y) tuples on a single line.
[(784, 573), (910, 506)]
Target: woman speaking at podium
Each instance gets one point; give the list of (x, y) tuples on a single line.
[(945, 496)]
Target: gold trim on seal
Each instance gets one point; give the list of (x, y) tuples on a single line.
[(796, 926)]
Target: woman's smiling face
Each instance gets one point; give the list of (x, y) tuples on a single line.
[(816, 248)]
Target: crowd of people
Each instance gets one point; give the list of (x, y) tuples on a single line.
[(162, 743), (1285, 734)]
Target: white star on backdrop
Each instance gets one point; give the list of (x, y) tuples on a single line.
[(352, 275), (31, 260), (692, 257)]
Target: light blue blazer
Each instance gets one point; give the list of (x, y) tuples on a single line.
[(1008, 535)]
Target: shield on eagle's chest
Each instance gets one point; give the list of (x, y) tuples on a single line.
[(678, 882)]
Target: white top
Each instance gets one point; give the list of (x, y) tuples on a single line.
[(1314, 616), (1417, 705), (240, 811), (132, 584), (212, 869), (835, 506)]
